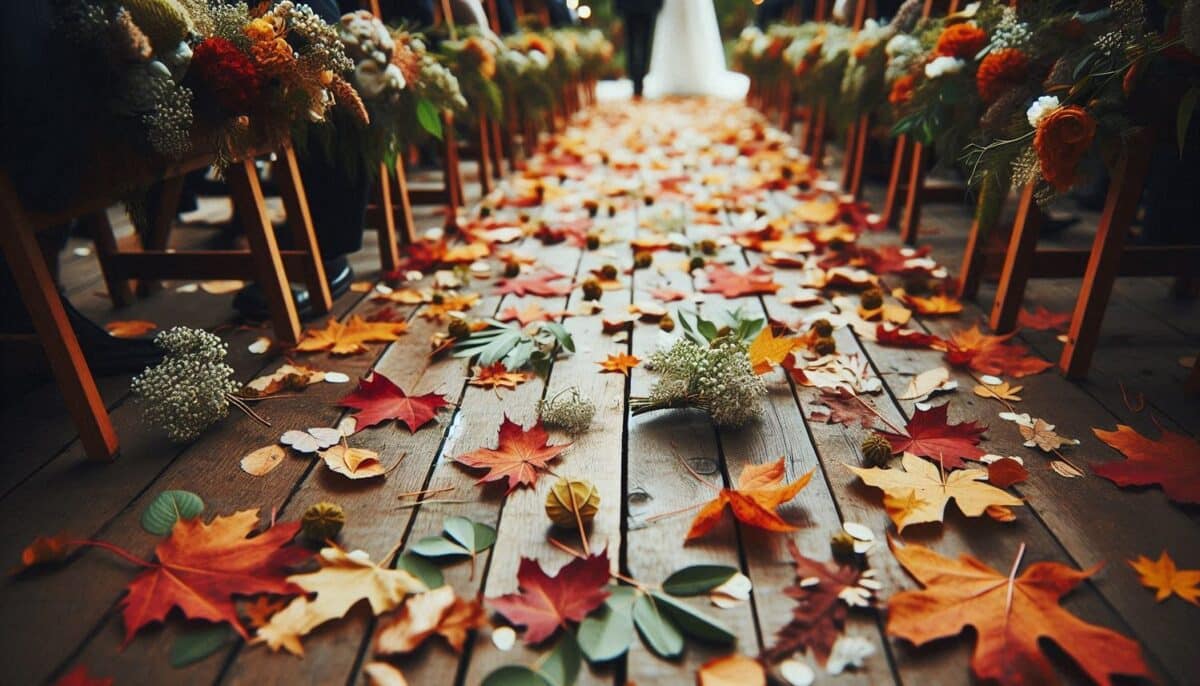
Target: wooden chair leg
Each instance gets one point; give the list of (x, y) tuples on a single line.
[(304, 238), (38, 291), (910, 219), (498, 150), (1120, 208), (407, 229), (1018, 263), (453, 176), (389, 250), (818, 137), (785, 107), (159, 235), (848, 156), (485, 157), (97, 226), (272, 279), (973, 264), (860, 155), (895, 189)]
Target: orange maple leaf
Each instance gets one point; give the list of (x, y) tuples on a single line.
[(991, 354), (1010, 615), (131, 328), (497, 376), (1165, 578), (938, 304), (754, 501), (619, 363), (1171, 461), (517, 456), (349, 338), (437, 311), (768, 350), (731, 284), (532, 312)]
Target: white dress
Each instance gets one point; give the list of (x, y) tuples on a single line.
[(688, 57)]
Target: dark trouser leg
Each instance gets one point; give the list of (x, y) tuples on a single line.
[(639, 31), (337, 199)]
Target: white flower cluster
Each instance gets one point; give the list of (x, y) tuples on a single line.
[(1040, 108), (439, 80), (942, 65), (1010, 32), (189, 389), (901, 52), (569, 410), (369, 44), (718, 379)]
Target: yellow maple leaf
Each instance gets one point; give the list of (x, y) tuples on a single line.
[(768, 350), (438, 309), (497, 376), (343, 580), (440, 612), (1165, 578), (920, 491), (619, 363), (348, 338), (1001, 391)]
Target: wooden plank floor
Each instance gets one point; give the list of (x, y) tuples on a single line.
[(55, 620)]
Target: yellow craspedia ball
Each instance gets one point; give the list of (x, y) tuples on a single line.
[(566, 497), (165, 22)]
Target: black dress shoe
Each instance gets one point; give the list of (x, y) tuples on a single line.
[(252, 304), (107, 355)]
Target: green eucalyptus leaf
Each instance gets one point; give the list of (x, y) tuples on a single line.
[(515, 675), (693, 622), (423, 569), (607, 633), (437, 546), (697, 579), (470, 535), (657, 630), (170, 507), (561, 667), (198, 642), (429, 118)]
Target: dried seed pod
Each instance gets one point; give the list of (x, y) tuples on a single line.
[(322, 522), (822, 328), (697, 262), (666, 323), (485, 211), (871, 299), (876, 450), (649, 200), (841, 545), (708, 246), (643, 260), (612, 210), (567, 497), (592, 290), (825, 346), (458, 329), (592, 207), (511, 269), (437, 298), (593, 241), (608, 272)]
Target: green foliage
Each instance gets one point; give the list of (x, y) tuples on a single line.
[(516, 347), (170, 507)]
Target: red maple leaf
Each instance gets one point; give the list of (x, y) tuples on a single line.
[(1171, 461), (534, 284), (731, 284), (1006, 472), (575, 231), (899, 338), (667, 294), (80, 677), (420, 256), (527, 315), (759, 492), (820, 613), (929, 435), (517, 456), (202, 566), (378, 399), (991, 354), (1041, 319), (547, 603), (845, 408)]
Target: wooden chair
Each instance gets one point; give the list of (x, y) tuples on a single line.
[(1108, 258), (103, 187), (859, 130)]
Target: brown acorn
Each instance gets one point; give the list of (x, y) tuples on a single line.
[(608, 272), (612, 210), (592, 290), (841, 545), (485, 211), (697, 262), (708, 246), (592, 207), (642, 260), (511, 269), (871, 299), (666, 323), (437, 298), (322, 522), (825, 346), (458, 329), (876, 450), (593, 241), (822, 328)]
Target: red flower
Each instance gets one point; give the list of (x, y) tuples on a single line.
[(963, 41), (1062, 138), (227, 74), (999, 71), (902, 89)]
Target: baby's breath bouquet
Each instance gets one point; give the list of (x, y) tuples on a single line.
[(717, 378)]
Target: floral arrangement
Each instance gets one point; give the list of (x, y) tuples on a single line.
[(219, 77), (524, 70), (473, 59)]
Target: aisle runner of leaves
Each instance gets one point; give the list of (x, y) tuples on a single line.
[(742, 186)]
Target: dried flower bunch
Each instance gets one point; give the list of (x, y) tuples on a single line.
[(718, 379), (568, 410), (190, 389)]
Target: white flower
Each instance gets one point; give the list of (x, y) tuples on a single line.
[(1040, 108), (902, 44), (848, 651), (940, 66)]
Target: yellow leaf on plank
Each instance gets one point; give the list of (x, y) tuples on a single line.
[(264, 460), (355, 463), (439, 612), (1165, 578), (768, 350), (131, 328)]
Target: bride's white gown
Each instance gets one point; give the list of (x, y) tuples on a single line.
[(687, 57)]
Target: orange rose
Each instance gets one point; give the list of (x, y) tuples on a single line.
[(1062, 137), (963, 41), (999, 71), (902, 89)]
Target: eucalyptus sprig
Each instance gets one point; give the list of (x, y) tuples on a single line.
[(516, 347)]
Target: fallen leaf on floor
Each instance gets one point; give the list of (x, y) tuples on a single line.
[(130, 328), (731, 284), (1037, 432), (824, 592), (1000, 391), (667, 294), (44, 550), (732, 670), (1005, 472), (446, 304), (377, 399), (1165, 579), (361, 286), (437, 612), (222, 287), (925, 384), (80, 677), (264, 460), (1042, 319), (1010, 614), (310, 440), (1065, 469), (496, 375), (532, 312), (620, 363), (899, 338), (534, 284), (759, 491), (545, 604), (768, 350), (349, 338), (518, 455), (991, 354), (919, 493), (289, 377), (344, 580), (1171, 461), (384, 674), (354, 463), (935, 305), (845, 408), (929, 434)]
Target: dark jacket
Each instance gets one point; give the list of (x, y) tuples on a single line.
[(638, 6)]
